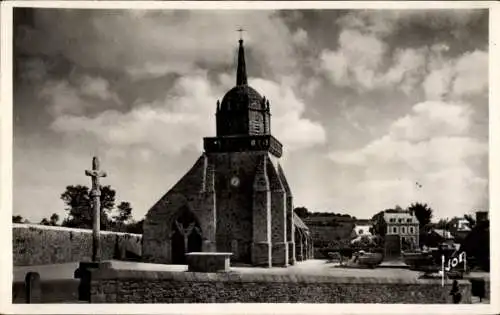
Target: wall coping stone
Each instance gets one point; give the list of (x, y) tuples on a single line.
[(208, 254), (63, 228), (232, 276)]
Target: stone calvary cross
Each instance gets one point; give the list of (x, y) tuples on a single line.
[(95, 194)]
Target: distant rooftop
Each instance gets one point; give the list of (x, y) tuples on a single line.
[(443, 233), (363, 222), (405, 216)]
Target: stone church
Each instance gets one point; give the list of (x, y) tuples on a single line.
[(236, 197)]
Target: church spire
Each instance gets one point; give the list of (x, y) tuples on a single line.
[(241, 74)]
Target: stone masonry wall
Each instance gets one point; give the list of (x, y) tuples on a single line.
[(40, 245), (133, 286), (194, 192), (234, 203)]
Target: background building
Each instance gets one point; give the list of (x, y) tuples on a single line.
[(402, 232)]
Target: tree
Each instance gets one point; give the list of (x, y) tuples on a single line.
[(379, 225), (471, 220), (123, 217), (135, 227), (54, 218), (302, 212), (79, 206), (124, 212), (45, 222), (398, 209), (443, 224), (477, 244), (17, 219), (423, 213)]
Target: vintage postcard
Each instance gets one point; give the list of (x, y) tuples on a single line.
[(249, 157)]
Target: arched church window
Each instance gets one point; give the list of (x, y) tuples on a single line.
[(186, 236)]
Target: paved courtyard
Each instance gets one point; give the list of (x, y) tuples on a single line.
[(310, 267)]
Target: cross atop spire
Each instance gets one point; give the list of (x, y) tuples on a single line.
[(241, 30), (241, 73)]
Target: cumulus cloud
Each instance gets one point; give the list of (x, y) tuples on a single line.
[(156, 43), (97, 87), (385, 23), (300, 37), (432, 120), (356, 61), (363, 59), (156, 126), (288, 123), (431, 145), (471, 74), (65, 98), (408, 68), (455, 78)]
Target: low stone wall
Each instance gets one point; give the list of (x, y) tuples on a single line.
[(41, 245), (480, 287), (52, 291), (134, 286)]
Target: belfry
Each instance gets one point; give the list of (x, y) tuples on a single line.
[(236, 197)]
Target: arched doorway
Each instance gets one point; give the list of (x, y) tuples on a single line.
[(186, 236)]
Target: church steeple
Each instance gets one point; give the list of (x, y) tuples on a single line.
[(243, 118), (241, 73)]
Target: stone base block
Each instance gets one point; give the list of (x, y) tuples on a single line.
[(261, 254), (291, 253), (86, 266), (208, 262), (280, 254), (84, 274)]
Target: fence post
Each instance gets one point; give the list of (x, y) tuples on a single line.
[(33, 288)]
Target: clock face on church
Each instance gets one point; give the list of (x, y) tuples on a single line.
[(235, 181)]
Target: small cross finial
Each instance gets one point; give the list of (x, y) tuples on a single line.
[(241, 30)]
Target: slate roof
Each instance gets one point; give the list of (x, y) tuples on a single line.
[(299, 223), (401, 215), (443, 233)]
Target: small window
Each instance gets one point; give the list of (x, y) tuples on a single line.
[(392, 220), (360, 231), (403, 230), (395, 230), (411, 230), (400, 220), (256, 126), (408, 220)]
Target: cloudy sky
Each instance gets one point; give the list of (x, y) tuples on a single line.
[(374, 108)]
